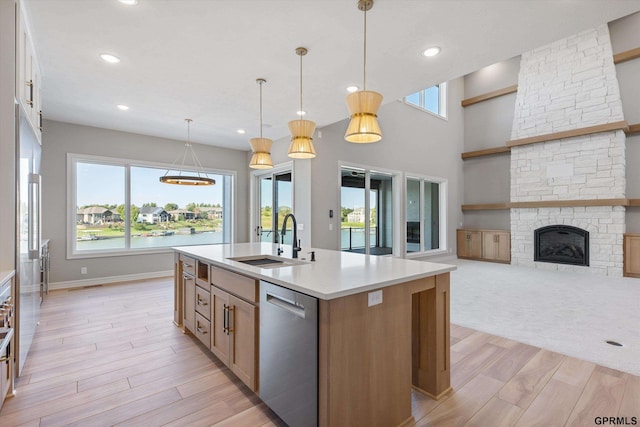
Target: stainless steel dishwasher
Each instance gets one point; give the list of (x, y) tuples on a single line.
[(289, 354)]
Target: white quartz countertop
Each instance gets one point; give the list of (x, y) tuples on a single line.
[(334, 274)]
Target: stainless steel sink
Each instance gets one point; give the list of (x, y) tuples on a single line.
[(267, 261)]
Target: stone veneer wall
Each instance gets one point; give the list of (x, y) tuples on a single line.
[(569, 84)]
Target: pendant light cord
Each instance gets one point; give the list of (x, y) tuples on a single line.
[(260, 109), (364, 68), (301, 86)]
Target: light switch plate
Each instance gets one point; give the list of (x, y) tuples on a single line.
[(375, 298)]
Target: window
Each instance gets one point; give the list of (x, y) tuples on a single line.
[(121, 206), (432, 99), (426, 214)]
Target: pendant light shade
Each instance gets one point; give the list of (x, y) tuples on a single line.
[(302, 139), (200, 178), (363, 105), (363, 127), (261, 158), (301, 130), (261, 147)]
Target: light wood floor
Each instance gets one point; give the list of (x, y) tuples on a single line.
[(110, 355)]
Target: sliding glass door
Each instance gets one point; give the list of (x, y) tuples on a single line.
[(275, 201), (366, 211)]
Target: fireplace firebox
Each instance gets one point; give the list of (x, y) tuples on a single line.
[(562, 244)]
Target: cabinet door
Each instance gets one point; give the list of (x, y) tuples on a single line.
[(469, 244), (463, 246), (496, 246), (189, 301), (243, 354), (632, 256), (219, 317)]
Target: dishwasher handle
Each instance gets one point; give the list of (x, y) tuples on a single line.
[(286, 305)]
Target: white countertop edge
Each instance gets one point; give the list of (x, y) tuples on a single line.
[(256, 272), (5, 275)]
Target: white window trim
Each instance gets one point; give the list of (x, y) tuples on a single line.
[(73, 158), (443, 198), (442, 102)]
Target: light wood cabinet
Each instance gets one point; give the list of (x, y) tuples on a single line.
[(469, 244), (496, 246), (484, 245), (219, 337), (632, 255), (235, 325), (188, 292)]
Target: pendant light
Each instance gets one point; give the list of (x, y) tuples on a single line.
[(301, 130), (261, 147), (201, 177), (363, 105)]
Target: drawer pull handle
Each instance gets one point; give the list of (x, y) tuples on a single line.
[(201, 302), (185, 265), (200, 330)]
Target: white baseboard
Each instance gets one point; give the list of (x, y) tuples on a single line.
[(111, 279)]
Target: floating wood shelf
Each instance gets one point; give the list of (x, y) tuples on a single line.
[(486, 207), (633, 129), (485, 152), (489, 95), (622, 125), (552, 204), (626, 55)]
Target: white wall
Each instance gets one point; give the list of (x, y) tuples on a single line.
[(413, 141), (62, 138)]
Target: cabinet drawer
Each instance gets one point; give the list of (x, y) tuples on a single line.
[(188, 265), (202, 330), (242, 286), (203, 302)]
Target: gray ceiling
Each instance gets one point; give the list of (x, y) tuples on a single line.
[(200, 58)]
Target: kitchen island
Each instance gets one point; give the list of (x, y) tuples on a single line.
[(383, 323)]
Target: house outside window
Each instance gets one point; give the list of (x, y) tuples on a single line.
[(432, 99), (120, 206)]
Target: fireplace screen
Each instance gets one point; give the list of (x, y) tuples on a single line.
[(562, 244)]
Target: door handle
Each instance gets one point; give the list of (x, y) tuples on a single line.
[(225, 319)]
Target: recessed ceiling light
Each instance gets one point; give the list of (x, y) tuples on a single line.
[(109, 58), (122, 107), (352, 89), (129, 2), (301, 113), (432, 51), (241, 131)]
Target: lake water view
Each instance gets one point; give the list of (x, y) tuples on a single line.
[(211, 237)]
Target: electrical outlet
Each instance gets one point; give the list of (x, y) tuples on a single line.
[(83, 270), (375, 298)]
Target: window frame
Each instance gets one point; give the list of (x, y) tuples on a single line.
[(442, 101), (442, 200), (74, 158)]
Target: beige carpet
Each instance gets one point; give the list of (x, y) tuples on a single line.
[(570, 313)]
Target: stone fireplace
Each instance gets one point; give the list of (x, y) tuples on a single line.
[(572, 181)]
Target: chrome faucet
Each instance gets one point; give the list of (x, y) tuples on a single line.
[(296, 244)]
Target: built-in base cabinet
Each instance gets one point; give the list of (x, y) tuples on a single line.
[(632, 255), (219, 308), (484, 245)]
